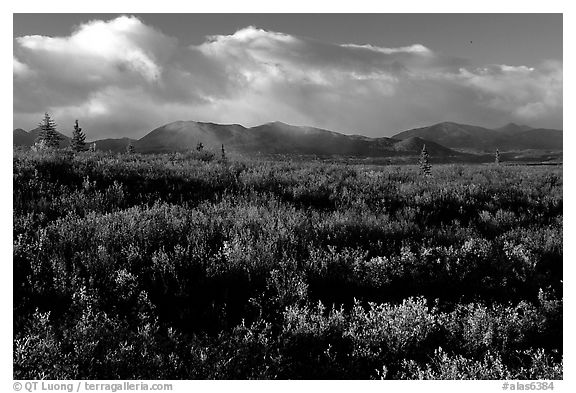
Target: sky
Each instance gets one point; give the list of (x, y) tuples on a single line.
[(369, 74)]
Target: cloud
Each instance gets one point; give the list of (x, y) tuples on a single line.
[(102, 51), (123, 78), (416, 48), (20, 69), (526, 93)]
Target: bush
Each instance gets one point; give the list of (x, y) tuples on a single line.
[(173, 266)]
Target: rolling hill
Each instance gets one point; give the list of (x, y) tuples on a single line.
[(279, 138), (511, 137), (185, 135), (116, 145), (24, 138), (513, 128), (27, 139), (539, 138), (442, 140)]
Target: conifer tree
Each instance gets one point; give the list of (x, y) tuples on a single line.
[(497, 157), (78, 142), (130, 149), (223, 153), (424, 162), (48, 135)]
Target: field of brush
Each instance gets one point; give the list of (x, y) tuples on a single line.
[(179, 266)]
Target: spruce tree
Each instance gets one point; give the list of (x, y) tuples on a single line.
[(48, 135), (424, 162), (223, 153), (78, 142)]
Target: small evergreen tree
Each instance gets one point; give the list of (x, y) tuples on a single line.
[(48, 136), (130, 149), (78, 142), (497, 157), (424, 162), (200, 146), (223, 153)]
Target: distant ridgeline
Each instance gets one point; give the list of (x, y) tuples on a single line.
[(446, 140)]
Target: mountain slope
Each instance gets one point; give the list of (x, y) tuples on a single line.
[(453, 135), (415, 144), (508, 138), (27, 139), (277, 138), (539, 138), (116, 145), (283, 138), (185, 135), (23, 138), (440, 139), (512, 128)]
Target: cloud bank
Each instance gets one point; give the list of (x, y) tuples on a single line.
[(124, 78)]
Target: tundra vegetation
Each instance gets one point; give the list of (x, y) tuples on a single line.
[(181, 266)]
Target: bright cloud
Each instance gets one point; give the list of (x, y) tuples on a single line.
[(527, 93), (123, 78), (416, 48), (104, 50)]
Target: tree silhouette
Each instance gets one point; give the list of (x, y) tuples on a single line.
[(424, 162), (78, 142), (223, 153), (48, 136)]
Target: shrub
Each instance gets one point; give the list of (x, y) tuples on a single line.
[(172, 266)]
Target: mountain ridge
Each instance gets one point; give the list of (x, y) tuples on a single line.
[(28, 138), (278, 138), (510, 137), (446, 139)]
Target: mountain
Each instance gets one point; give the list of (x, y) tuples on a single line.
[(441, 140), (454, 135), (512, 128), (415, 144), (511, 137), (116, 145), (185, 135), (27, 139), (281, 138), (540, 138), (23, 138), (278, 138)]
